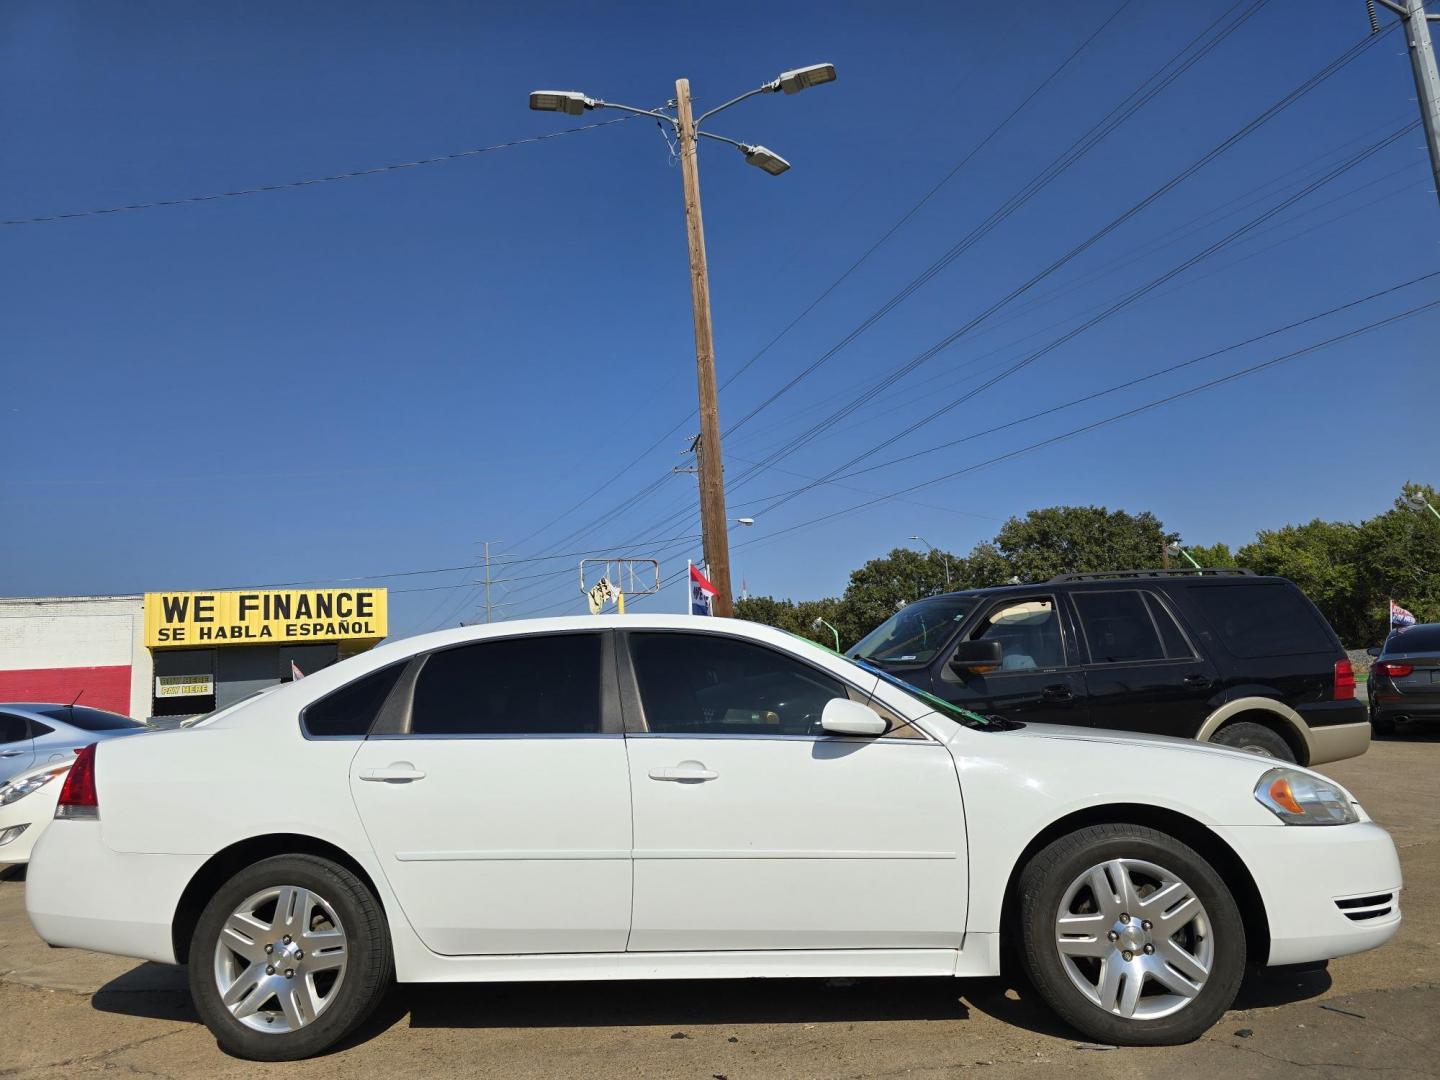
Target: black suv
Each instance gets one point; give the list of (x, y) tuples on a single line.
[(1223, 656)]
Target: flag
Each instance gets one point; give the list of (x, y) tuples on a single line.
[(295, 673), (1399, 616), (700, 592)]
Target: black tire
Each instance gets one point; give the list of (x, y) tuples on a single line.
[(1380, 724), (1255, 739), (1043, 885), (368, 972)]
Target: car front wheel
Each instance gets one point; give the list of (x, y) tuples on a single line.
[(290, 956), (1130, 935)]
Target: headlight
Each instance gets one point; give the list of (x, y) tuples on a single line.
[(18, 789), (1298, 798)]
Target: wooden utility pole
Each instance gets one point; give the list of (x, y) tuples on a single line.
[(713, 521)]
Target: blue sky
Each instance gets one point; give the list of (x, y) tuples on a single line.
[(373, 375)]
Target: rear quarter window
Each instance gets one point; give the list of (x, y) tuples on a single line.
[(350, 710), (1263, 619)]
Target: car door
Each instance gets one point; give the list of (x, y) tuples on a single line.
[(497, 797), (755, 830), (1039, 678), (1142, 673), (17, 748)]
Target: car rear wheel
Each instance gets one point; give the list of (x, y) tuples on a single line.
[(1254, 739), (1381, 724), (1130, 935), (290, 956)]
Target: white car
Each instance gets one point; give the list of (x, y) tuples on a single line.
[(27, 805), (668, 797)]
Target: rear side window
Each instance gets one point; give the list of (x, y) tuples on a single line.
[(1118, 627), (543, 685), (13, 728), (91, 719), (351, 709), (1263, 619), (1176, 647)]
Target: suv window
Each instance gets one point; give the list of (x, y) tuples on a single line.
[(702, 684), (352, 709), (1176, 647), (1117, 626), (1029, 632), (1263, 619), (548, 684), (13, 728)]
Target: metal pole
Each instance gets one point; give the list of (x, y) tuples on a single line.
[(712, 476), (1427, 80), (487, 581)]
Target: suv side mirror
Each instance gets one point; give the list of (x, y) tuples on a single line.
[(1374, 650), (842, 716), (976, 657)]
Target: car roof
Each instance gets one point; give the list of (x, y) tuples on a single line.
[(1140, 577)]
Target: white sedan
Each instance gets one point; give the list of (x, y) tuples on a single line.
[(27, 804), (671, 797)]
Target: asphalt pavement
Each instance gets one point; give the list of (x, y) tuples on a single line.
[(68, 1013)]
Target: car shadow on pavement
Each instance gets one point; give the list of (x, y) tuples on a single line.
[(154, 991)]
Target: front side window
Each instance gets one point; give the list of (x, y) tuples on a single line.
[(1028, 632), (1118, 627), (548, 684), (352, 709), (703, 684), (915, 633)]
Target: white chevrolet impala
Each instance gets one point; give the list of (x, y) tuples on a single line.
[(668, 798)]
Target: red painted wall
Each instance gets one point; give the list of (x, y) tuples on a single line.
[(105, 687)]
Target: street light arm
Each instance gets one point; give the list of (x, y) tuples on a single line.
[(638, 112), (721, 138), (768, 88)]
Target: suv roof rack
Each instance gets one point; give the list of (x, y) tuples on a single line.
[(1111, 575)]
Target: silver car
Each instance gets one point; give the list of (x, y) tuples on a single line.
[(34, 733)]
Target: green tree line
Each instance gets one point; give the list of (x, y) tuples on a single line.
[(1351, 571)]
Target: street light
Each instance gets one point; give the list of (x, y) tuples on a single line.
[(744, 521), (687, 132), (1417, 501), (819, 622), (933, 548)]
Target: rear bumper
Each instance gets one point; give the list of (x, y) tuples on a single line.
[(1305, 873), (1414, 706), (1339, 741), (80, 894)]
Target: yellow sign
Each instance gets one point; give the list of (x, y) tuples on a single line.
[(203, 619), (184, 685)]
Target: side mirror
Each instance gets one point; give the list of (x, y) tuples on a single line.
[(842, 716), (976, 657), (1374, 650)]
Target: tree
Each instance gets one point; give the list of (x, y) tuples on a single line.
[(796, 616), (1217, 556), (1081, 539), (882, 586), (1398, 559)]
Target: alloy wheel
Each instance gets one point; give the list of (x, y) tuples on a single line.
[(1134, 939), (280, 959)]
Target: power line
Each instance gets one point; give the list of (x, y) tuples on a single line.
[(314, 180)]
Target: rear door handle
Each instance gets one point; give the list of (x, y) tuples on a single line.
[(686, 770), (11, 753), (395, 775), (1057, 693), (1199, 681)]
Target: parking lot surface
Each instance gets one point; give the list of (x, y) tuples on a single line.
[(68, 1013)]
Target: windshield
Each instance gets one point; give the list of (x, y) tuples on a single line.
[(91, 719), (915, 633), (938, 704)]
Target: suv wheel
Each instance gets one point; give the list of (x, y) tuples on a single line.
[(1254, 739), (1130, 935), (290, 956)]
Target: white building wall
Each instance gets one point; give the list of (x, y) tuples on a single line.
[(78, 632)]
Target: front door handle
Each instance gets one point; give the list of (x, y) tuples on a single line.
[(395, 774), (693, 771), (1057, 693), (1198, 681)]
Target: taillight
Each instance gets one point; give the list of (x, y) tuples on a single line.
[(78, 798), (1390, 667), (1344, 680)]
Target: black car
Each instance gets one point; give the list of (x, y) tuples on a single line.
[(1405, 678), (1224, 656)]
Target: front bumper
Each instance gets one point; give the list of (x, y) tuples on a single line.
[(80, 894), (1306, 872)]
